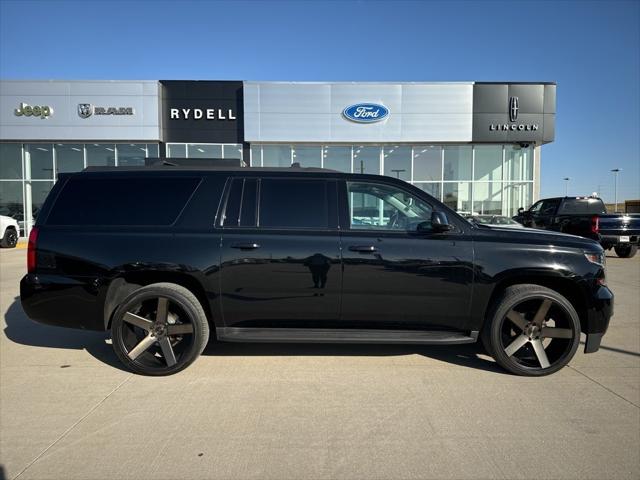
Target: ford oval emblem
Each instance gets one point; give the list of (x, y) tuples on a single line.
[(366, 112)]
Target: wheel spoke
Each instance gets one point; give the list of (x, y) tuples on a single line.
[(138, 321), (142, 347), (552, 332), (542, 312), (161, 313), (167, 351), (516, 345), (517, 318), (179, 329), (540, 353)]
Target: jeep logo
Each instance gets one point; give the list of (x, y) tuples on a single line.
[(27, 110)]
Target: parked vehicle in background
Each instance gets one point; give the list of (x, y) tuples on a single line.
[(586, 217), (161, 256), (8, 232), (496, 220)]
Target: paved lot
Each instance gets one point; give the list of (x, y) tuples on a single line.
[(68, 411)]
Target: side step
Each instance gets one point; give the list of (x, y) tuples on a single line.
[(330, 335)]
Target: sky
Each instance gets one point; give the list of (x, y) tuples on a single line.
[(590, 48)]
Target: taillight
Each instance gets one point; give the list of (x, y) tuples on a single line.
[(595, 224), (31, 250)]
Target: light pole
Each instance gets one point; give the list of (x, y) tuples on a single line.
[(615, 187), (566, 185)]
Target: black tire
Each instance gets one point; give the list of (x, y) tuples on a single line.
[(143, 324), (519, 325), (626, 251), (10, 239)]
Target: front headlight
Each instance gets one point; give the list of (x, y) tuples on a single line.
[(597, 258)]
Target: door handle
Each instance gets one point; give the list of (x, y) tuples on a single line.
[(245, 246), (363, 248)]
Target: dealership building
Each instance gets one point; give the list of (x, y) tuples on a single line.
[(474, 145)]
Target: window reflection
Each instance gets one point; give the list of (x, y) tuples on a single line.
[(101, 154), (198, 150), (488, 162), (457, 195), (397, 162), (131, 154), (276, 155), (10, 160), (487, 198), (307, 156), (69, 157), (366, 159), (337, 158), (457, 162), (41, 159), (427, 163)]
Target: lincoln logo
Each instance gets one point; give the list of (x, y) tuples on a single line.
[(513, 109)]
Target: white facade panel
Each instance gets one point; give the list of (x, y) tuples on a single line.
[(312, 112), (65, 123)]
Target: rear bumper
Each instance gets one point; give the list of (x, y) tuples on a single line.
[(612, 240), (599, 313), (62, 301)]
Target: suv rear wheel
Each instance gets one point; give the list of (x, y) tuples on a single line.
[(532, 330), (159, 329), (626, 251)]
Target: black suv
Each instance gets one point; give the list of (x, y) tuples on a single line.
[(164, 256)]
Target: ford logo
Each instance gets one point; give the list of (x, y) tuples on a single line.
[(366, 112)]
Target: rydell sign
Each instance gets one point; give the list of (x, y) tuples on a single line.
[(366, 112)]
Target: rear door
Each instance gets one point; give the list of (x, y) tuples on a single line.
[(280, 264)]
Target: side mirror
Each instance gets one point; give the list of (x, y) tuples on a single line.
[(440, 222), (520, 211)]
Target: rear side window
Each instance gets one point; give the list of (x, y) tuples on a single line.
[(293, 203), (122, 201), (582, 206), (241, 203)]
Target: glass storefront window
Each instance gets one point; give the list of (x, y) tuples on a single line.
[(101, 154), (517, 195), (152, 150), (307, 155), (487, 198), (457, 195), (337, 158), (518, 162), (69, 157), (11, 160), (39, 192), (366, 159), (427, 163), (11, 203), (432, 189), (487, 163), (457, 162), (131, 154), (176, 150), (256, 155), (41, 159), (397, 162), (199, 150), (276, 156), (232, 151)]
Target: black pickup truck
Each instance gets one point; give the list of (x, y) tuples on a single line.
[(585, 217)]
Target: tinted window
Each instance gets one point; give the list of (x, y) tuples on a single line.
[(549, 206), (232, 210), (586, 206), (121, 201), (286, 203), (249, 200)]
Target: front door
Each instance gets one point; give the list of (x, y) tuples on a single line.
[(280, 264), (396, 276)]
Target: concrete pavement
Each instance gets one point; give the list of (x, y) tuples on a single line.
[(68, 411)]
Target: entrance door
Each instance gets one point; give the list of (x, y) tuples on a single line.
[(396, 276)]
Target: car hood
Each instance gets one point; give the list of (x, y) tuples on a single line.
[(535, 236)]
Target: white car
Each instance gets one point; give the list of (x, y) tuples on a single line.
[(9, 230)]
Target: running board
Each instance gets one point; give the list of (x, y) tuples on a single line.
[(331, 335)]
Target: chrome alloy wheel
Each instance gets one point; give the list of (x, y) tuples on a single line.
[(156, 332), (537, 333)]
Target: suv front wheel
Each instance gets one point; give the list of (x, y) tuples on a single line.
[(532, 330), (159, 329)]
